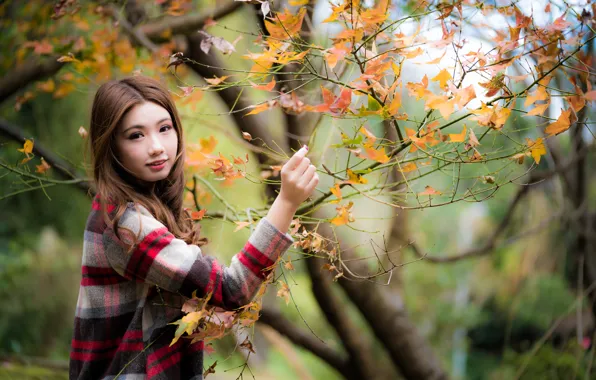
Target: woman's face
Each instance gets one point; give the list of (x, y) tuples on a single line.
[(147, 142)]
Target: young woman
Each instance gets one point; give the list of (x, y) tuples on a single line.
[(141, 251)]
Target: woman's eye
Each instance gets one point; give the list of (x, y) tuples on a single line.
[(134, 136), (165, 128)]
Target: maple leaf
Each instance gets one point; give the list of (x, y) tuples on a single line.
[(590, 96), (442, 103), (27, 147), (538, 109), (539, 94), (336, 190), (198, 215), (494, 85), (410, 166), (216, 80), (355, 178), (284, 292), (335, 54), (344, 216), (266, 87), (241, 225), (428, 190), (286, 25), (417, 142), (537, 148), (442, 77), (418, 89), (43, 167), (473, 140), (458, 137), (493, 117), (561, 125), (465, 95), (261, 107)]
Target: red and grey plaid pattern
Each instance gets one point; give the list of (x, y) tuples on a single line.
[(121, 326)]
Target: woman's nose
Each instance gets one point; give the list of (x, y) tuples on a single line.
[(156, 146)]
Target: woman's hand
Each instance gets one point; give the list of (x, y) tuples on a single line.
[(298, 181), (298, 178)]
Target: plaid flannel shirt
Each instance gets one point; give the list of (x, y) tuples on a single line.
[(121, 326)]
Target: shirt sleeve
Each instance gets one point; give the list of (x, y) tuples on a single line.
[(161, 259)]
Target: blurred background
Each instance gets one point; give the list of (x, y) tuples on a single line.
[(519, 304)]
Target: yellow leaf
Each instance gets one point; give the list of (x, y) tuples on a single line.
[(336, 190), (458, 137), (355, 178), (442, 78), (298, 3), (537, 149), (368, 134), (27, 147), (48, 86), (343, 215)]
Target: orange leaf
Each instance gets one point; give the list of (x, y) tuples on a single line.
[(343, 215), (430, 191), (241, 225), (260, 108), (43, 167), (284, 291), (458, 137), (198, 215), (410, 166), (561, 125), (590, 96), (266, 87), (538, 110), (216, 80)]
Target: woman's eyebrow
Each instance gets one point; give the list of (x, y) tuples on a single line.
[(142, 126)]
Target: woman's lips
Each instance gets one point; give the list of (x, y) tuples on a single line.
[(157, 166)]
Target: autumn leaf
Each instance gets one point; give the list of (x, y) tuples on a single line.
[(286, 25), (561, 125), (355, 178), (266, 87), (261, 107), (198, 215), (428, 190), (590, 96), (442, 78), (336, 190), (458, 137), (241, 225), (473, 140), (344, 216), (43, 167), (284, 292), (48, 86), (537, 149), (410, 166), (27, 147), (538, 110), (207, 41), (216, 80)]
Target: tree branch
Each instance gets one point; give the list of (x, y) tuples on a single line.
[(186, 24), (64, 169), (276, 320), (33, 69), (362, 363)]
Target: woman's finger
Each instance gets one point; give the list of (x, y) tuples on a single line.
[(307, 176), (296, 158), (302, 166)]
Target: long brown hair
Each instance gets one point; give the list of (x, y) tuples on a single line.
[(115, 186)]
